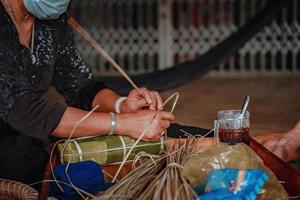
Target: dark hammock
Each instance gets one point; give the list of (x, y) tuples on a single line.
[(184, 72)]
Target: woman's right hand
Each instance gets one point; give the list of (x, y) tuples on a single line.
[(134, 124)]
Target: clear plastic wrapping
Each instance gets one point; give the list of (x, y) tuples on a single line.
[(238, 156)]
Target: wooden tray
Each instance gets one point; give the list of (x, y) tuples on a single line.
[(283, 171)]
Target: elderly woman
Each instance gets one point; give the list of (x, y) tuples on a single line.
[(37, 50)]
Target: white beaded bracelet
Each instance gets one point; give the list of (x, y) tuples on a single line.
[(119, 103)]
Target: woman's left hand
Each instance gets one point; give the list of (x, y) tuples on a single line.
[(285, 145), (136, 101)]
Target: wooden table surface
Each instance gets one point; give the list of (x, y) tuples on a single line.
[(274, 104)]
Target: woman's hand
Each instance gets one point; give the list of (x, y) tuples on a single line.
[(134, 124), (285, 145), (136, 101)]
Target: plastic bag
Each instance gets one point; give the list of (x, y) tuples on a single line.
[(238, 156), (230, 183)]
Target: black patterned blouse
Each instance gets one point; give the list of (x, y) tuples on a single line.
[(24, 80)]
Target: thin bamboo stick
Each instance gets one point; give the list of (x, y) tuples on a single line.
[(73, 23)]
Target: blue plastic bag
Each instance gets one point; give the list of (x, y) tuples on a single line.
[(233, 184)]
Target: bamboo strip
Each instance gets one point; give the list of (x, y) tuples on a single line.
[(73, 23)]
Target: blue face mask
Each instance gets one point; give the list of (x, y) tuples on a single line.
[(46, 9)]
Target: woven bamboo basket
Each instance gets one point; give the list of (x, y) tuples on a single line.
[(12, 190)]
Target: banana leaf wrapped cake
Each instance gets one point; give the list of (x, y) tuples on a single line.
[(106, 149)]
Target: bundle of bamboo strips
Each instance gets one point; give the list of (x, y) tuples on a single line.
[(161, 178), (170, 183), (131, 186)]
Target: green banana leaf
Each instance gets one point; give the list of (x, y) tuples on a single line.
[(106, 149)]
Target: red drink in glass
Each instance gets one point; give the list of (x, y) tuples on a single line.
[(234, 136), (233, 127)]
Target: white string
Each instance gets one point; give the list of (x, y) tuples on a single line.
[(79, 150), (116, 163), (124, 146), (162, 144)]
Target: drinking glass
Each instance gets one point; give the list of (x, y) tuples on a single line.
[(232, 127)]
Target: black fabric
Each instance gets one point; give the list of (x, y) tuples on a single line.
[(35, 117), (22, 158), (12, 85), (174, 131), (87, 94), (185, 72)]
